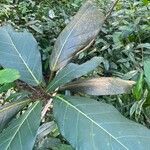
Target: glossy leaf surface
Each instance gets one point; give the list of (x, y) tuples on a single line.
[(78, 35), (72, 71), (21, 133), (101, 86), (19, 50), (91, 125)]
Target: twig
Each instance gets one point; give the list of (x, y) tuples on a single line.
[(52, 74), (44, 111), (111, 9)]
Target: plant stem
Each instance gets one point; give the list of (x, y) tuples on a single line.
[(52, 74), (111, 9), (44, 111), (46, 107)]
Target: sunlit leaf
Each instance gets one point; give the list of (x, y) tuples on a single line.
[(8, 75), (146, 2)]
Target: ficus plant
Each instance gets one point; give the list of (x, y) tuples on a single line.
[(84, 122)]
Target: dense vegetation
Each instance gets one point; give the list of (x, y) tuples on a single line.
[(121, 49)]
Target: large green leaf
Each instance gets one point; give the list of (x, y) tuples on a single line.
[(19, 50), (91, 125), (78, 35), (21, 133), (100, 86), (72, 71), (147, 70), (8, 75), (9, 110)]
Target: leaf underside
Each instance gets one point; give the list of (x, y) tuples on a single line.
[(19, 50), (91, 125), (72, 71), (21, 133), (78, 35), (100, 86), (9, 110)]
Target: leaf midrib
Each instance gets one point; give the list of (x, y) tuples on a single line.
[(56, 60), (21, 125), (11, 106), (61, 78), (36, 80), (82, 113), (71, 71)]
